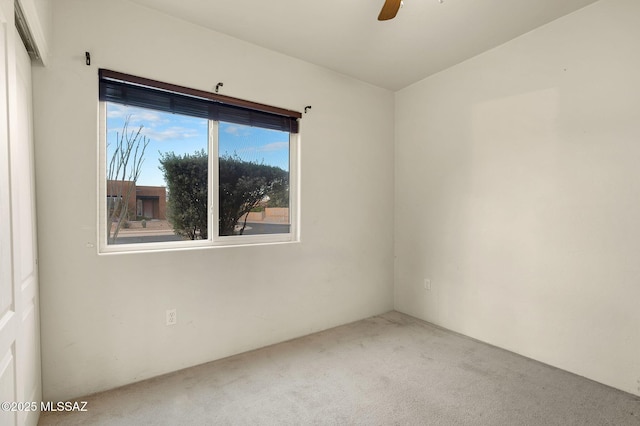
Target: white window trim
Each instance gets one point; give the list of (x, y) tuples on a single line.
[(213, 240)]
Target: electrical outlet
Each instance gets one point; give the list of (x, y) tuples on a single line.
[(427, 284), (172, 317)]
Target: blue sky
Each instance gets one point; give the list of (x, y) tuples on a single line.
[(182, 134)]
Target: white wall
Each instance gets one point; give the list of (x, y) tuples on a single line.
[(103, 316), (518, 195)]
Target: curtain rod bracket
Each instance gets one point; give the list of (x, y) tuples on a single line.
[(87, 58), (306, 108), (218, 86)]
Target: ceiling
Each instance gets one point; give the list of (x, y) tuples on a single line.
[(344, 35)]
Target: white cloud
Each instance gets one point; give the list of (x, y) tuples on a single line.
[(274, 146), (270, 147), (115, 113), (232, 130), (156, 125), (168, 133), (146, 117), (136, 116), (237, 130)]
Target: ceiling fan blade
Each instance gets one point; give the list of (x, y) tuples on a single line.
[(389, 9)]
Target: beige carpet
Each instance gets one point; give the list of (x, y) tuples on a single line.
[(387, 370)]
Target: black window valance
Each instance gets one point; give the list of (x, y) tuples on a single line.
[(146, 93)]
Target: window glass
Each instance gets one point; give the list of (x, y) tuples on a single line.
[(162, 186), (253, 180), (139, 201)]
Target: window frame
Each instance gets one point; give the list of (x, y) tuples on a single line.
[(214, 240)]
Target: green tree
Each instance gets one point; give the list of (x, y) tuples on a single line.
[(186, 178), (243, 185), (279, 195)]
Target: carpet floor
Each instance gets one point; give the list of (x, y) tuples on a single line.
[(390, 369)]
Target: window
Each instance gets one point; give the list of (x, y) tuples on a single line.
[(186, 168)]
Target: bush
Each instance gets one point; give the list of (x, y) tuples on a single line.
[(242, 185), (186, 178)]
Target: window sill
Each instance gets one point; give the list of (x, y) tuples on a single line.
[(238, 241)]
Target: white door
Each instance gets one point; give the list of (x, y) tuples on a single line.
[(20, 380)]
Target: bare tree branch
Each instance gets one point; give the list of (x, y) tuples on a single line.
[(121, 177)]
